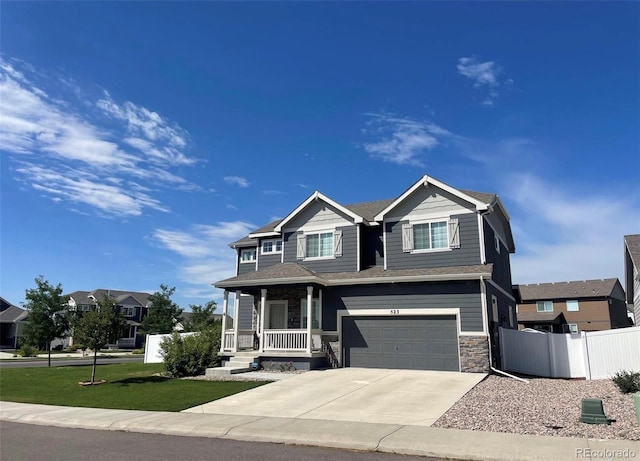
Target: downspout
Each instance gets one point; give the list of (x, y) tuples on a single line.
[(491, 367)]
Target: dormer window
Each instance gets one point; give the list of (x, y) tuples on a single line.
[(271, 246), (248, 255)]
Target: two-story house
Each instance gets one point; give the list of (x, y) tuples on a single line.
[(572, 307), (632, 274), (421, 281), (134, 306)]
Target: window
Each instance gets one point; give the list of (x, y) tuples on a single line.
[(494, 308), (129, 311), (429, 236), (248, 255), (497, 243), (544, 306), (315, 313), (572, 306), (271, 246), (570, 328), (319, 245), (432, 235), (511, 323)]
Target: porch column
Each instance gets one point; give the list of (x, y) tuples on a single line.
[(263, 304), (309, 316), (236, 313), (225, 308)]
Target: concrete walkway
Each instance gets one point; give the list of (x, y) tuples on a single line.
[(405, 397), (391, 438)]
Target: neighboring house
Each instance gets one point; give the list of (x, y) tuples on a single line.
[(132, 304), (572, 307), (186, 316), (421, 281), (632, 274), (12, 320)]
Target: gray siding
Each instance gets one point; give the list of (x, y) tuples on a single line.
[(497, 224), (501, 261), (317, 215), (348, 262), (267, 260), (464, 295), (244, 268), (501, 321), (429, 201), (245, 317), (372, 253), (468, 253)]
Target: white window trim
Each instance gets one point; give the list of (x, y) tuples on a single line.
[(303, 312), (573, 328), (307, 233), (249, 261), (577, 305), (129, 308), (273, 251), (429, 221), (545, 304)]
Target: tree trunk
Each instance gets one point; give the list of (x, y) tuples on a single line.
[(49, 351), (93, 372)]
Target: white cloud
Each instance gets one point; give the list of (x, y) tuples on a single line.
[(567, 233), (237, 181), (401, 140), (61, 149), (205, 254), (484, 74)]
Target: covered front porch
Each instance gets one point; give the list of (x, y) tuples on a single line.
[(279, 322)]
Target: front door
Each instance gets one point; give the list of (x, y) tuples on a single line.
[(277, 315)]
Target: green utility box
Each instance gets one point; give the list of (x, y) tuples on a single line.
[(593, 412)]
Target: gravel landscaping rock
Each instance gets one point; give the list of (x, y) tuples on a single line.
[(542, 407)]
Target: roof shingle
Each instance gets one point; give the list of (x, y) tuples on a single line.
[(567, 290)]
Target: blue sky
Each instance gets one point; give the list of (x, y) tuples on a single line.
[(138, 139)]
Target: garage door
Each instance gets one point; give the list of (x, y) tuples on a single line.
[(406, 342)]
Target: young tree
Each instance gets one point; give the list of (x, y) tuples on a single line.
[(201, 317), (47, 313), (101, 325), (163, 312)]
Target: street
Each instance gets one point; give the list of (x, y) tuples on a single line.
[(26, 363), (19, 442)]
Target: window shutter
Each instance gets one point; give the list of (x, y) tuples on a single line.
[(454, 233), (337, 243), (302, 246), (407, 237)]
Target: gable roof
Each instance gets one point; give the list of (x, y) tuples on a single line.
[(541, 317), (426, 181), (632, 242), (90, 297), (11, 313), (313, 197), (567, 290)]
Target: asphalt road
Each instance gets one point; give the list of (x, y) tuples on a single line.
[(20, 442), (25, 363)]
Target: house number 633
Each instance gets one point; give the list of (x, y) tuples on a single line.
[(395, 311)]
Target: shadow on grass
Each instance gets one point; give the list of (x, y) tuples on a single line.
[(140, 380)]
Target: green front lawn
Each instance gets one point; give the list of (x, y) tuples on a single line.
[(129, 386)]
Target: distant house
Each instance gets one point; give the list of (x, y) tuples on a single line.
[(632, 274), (572, 307), (12, 320), (133, 304)]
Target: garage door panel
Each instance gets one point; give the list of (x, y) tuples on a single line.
[(411, 342)]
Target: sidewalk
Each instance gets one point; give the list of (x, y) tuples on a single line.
[(390, 438)]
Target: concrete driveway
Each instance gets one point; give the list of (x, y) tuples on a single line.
[(406, 397)]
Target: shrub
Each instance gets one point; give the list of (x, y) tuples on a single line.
[(627, 381), (76, 347), (27, 350), (191, 355), (138, 351)]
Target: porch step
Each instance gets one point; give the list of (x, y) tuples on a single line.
[(239, 362), (225, 371)]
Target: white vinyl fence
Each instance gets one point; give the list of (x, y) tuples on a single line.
[(591, 355), (152, 351)]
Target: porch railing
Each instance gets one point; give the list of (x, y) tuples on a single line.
[(246, 340), (291, 340), (229, 339)]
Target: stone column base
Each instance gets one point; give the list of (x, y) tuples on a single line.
[(474, 354)]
